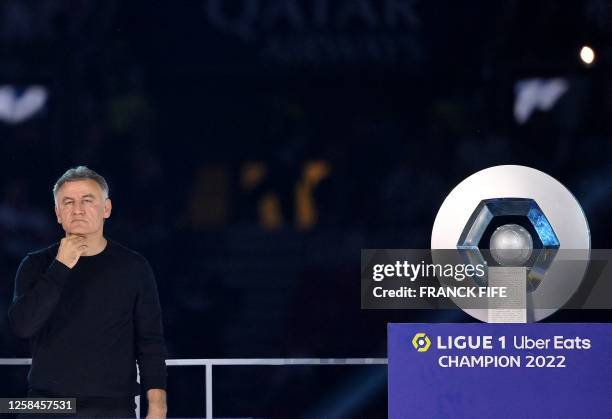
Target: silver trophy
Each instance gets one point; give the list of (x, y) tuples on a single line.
[(529, 231)]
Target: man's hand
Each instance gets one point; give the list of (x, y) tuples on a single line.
[(70, 250), (157, 404)]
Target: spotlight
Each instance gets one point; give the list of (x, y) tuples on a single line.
[(18, 104), (587, 55)]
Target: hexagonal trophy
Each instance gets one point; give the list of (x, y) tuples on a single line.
[(523, 225)]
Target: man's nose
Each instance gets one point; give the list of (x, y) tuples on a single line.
[(77, 208)]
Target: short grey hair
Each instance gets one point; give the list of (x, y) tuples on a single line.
[(80, 173)]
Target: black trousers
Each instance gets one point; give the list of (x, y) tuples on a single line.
[(90, 407)]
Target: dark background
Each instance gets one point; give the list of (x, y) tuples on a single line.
[(253, 147)]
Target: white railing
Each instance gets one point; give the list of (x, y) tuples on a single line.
[(209, 363)]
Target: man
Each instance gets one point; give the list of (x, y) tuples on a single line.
[(90, 309)]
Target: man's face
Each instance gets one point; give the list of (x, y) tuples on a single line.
[(81, 207)]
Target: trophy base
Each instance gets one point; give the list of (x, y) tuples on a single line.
[(513, 308)]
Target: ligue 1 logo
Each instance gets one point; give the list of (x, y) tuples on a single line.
[(523, 225), (421, 342)]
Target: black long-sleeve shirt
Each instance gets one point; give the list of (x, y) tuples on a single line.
[(90, 324)]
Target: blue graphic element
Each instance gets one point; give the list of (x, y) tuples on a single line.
[(488, 209), (482, 217), (418, 386), (543, 228)]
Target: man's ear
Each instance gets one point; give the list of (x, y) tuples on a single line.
[(108, 206), (58, 215)]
